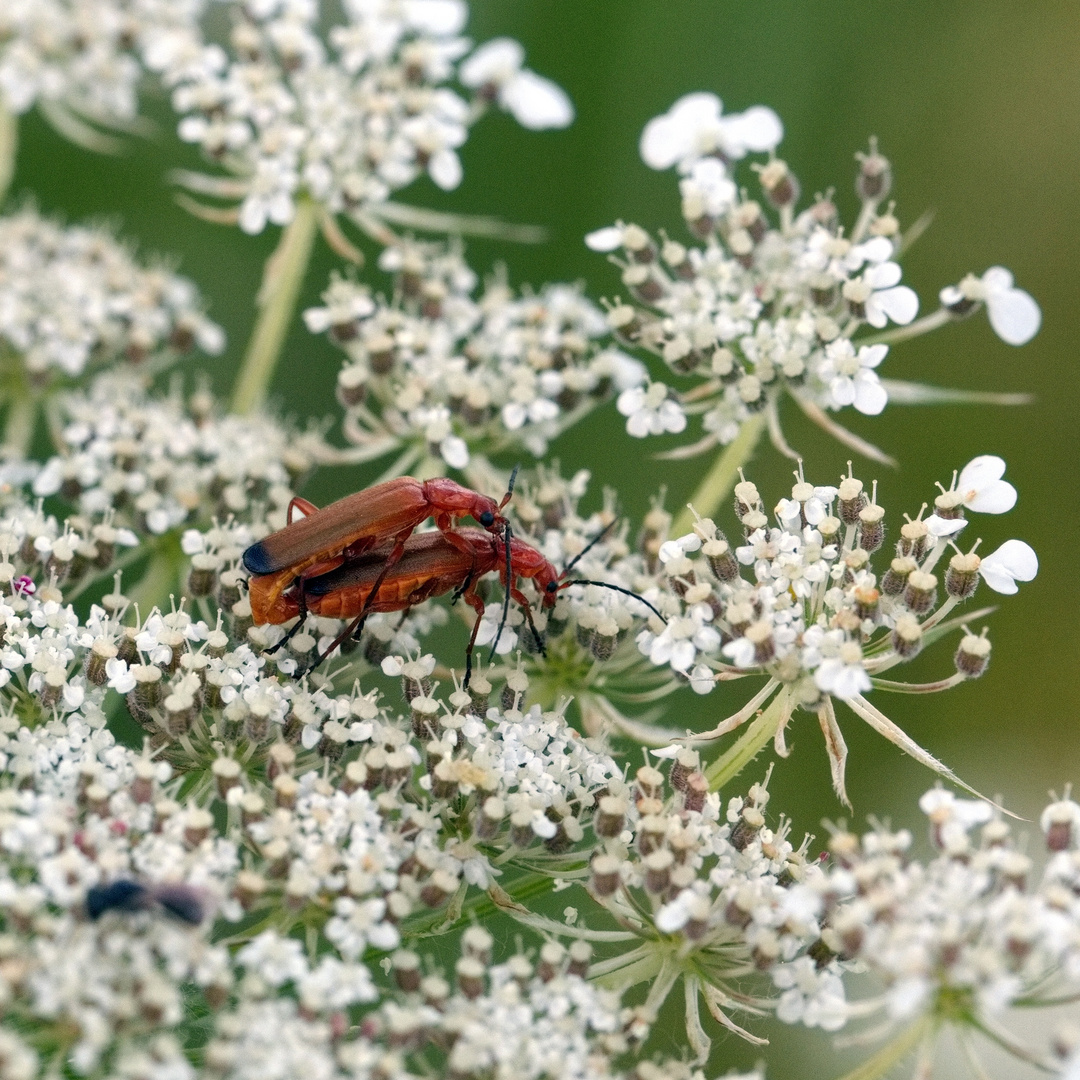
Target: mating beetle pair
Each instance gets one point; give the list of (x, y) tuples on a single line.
[(359, 555)]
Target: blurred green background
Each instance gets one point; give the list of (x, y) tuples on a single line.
[(977, 106)]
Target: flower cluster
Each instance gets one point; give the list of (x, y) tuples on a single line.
[(135, 883), (81, 60), (963, 937), (710, 896), (450, 373), (74, 296), (815, 617), (156, 463), (349, 120), (758, 307)]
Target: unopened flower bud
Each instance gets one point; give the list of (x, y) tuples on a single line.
[(697, 790), (760, 635), (745, 830), (470, 976), (521, 830), (895, 579), (490, 817), (962, 576), (605, 878), (972, 655), (920, 593), (286, 788), (686, 761), (226, 772), (440, 886), (650, 782), (867, 602), (779, 184), (1060, 823), (552, 955), (907, 636), (580, 955), (605, 638), (871, 527), (852, 500), (874, 181), (914, 539), (203, 575), (658, 871), (406, 968), (610, 817), (197, 826)]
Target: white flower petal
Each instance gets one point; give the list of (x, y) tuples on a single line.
[(440, 18), (494, 61), (1012, 562), (445, 169), (980, 471), (1014, 316), (759, 128), (608, 238), (900, 304), (536, 103), (997, 279), (662, 144), (939, 527), (872, 355), (870, 396)]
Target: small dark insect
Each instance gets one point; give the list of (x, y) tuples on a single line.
[(181, 901)]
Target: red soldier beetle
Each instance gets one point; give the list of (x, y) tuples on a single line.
[(391, 511), (432, 564)]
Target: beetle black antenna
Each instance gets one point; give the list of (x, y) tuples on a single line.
[(506, 593), (589, 546), (618, 589), (510, 486)]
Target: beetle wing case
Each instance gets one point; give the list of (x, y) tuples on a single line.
[(380, 511)]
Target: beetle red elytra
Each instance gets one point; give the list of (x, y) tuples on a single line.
[(431, 564), (348, 528)]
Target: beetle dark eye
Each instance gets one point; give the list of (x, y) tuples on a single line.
[(487, 518), (552, 586)]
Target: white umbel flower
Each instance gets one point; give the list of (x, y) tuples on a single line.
[(649, 411), (1013, 313), (694, 128), (496, 69), (851, 378)]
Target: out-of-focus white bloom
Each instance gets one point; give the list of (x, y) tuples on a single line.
[(496, 70), (1013, 313), (769, 299), (349, 118), (651, 411), (694, 128), (72, 296), (86, 57)]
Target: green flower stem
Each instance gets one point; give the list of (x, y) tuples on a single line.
[(9, 145), (282, 280), (892, 1053), (19, 425), (722, 477), (726, 767)]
